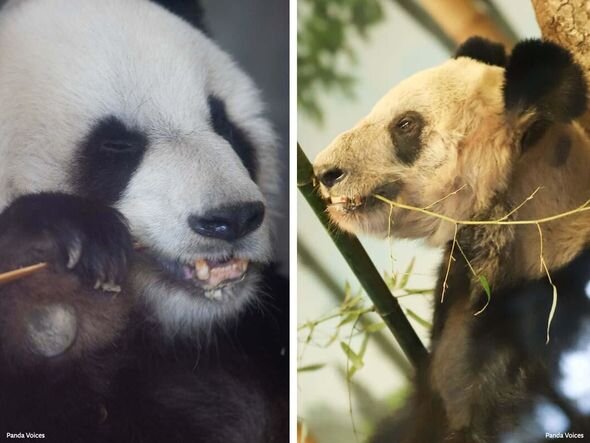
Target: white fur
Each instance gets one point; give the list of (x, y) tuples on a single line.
[(466, 144), (66, 64)]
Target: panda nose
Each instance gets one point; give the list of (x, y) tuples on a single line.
[(329, 177), (230, 222)]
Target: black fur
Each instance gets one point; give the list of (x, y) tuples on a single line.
[(189, 10), (100, 231), (107, 159), (233, 135), (513, 369), (230, 388), (563, 148), (534, 133), (122, 379), (405, 132), (483, 50), (63, 396), (543, 77)]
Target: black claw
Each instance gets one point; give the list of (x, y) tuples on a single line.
[(73, 222)]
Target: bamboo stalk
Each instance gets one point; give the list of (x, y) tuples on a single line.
[(17, 274), (359, 261)]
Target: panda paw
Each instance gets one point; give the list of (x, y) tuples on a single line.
[(92, 239)]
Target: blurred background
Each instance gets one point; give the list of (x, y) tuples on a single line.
[(350, 53)]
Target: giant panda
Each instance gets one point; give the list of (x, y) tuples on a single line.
[(487, 137), (138, 166)]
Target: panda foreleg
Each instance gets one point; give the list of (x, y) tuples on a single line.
[(92, 239)]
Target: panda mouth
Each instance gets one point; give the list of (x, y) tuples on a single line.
[(346, 205), (215, 274), (210, 275)]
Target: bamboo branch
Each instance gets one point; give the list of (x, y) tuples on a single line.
[(357, 258), (380, 338), (17, 274)]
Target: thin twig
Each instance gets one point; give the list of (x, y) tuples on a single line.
[(530, 197), (445, 197), (451, 259), (579, 209)]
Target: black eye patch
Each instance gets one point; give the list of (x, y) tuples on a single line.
[(405, 132), (107, 159), (232, 134)]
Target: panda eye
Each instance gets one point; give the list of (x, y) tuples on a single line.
[(406, 124), (118, 146)]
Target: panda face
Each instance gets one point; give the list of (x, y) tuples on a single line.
[(426, 138), (126, 103), (456, 139)]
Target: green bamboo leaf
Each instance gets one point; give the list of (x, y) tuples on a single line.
[(311, 368), (375, 327), (419, 319), (406, 276), (486, 287), (349, 318), (347, 291), (351, 303), (355, 360)]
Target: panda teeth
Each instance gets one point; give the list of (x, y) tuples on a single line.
[(338, 200), (346, 204), (202, 269), (214, 274)]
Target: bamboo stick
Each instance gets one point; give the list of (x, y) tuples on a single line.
[(17, 274), (359, 261)]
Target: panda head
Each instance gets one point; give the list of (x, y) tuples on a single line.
[(128, 103), (462, 126)]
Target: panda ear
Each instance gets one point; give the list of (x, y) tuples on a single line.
[(190, 10), (542, 77), (483, 50)]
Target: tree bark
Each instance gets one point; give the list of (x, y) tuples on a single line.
[(567, 23)]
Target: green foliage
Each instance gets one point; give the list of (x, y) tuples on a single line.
[(344, 322), (324, 34)]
